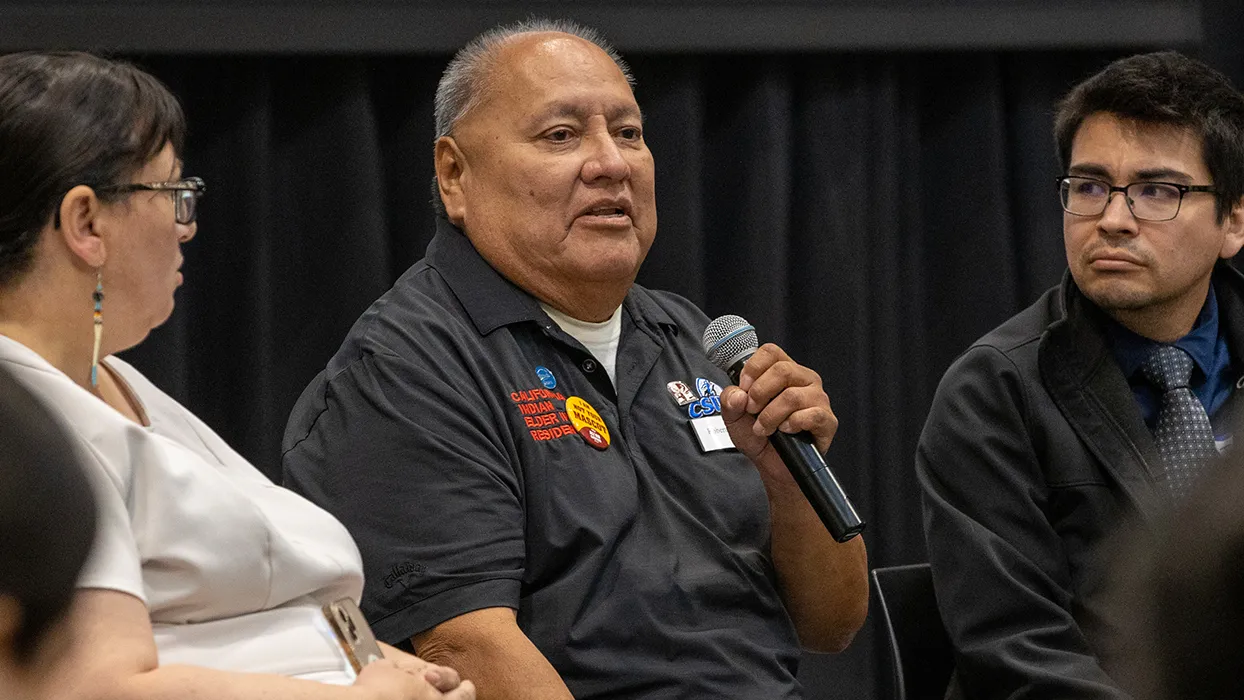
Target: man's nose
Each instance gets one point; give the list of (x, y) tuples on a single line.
[(1117, 217), (605, 159)]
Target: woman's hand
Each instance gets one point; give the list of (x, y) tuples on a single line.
[(390, 680), (443, 678)]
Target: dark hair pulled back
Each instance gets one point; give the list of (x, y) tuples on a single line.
[(67, 119)]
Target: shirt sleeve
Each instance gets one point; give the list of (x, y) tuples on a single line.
[(415, 466), (114, 562), (999, 569)]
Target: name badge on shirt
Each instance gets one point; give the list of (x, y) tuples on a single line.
[(712, 434)]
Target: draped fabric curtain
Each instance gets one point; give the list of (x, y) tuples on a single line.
[(871, 213)]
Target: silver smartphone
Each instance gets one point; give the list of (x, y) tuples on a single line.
[(353, 633)]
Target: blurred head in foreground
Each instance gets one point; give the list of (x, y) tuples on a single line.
[(47, 523), (1181, 600)]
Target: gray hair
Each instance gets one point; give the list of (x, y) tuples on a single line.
[(466, 78)]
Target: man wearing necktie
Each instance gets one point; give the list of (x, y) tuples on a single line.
[(1109, 398)]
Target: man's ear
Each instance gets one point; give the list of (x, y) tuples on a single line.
[(450, 168), (81, 215)]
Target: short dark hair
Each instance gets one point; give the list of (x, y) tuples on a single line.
[(47, 515), (67, 119), (1167, 88)]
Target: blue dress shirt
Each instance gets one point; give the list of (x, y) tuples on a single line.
[(1212, 379)]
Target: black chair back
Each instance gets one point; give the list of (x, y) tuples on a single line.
[(919, 648)]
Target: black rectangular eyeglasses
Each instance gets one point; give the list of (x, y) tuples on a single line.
[(1148, 201), (186, 193)]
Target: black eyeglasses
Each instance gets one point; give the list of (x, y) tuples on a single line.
[(186, 193), (1148, 201)]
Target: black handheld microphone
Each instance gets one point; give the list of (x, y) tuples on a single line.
[(728, 342)]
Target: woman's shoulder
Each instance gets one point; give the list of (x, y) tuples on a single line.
[(53, 388), (102, 436), (36, 373)]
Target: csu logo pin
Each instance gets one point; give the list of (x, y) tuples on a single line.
[(546, 377), (708, 403), (707, 406)]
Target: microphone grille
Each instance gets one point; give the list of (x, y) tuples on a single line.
[(727, 338)]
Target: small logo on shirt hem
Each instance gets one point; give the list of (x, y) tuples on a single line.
[(400, 571)]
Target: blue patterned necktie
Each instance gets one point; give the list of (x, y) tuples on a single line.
[(1183, 433)]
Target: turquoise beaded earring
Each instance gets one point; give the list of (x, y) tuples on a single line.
[(98, 297)]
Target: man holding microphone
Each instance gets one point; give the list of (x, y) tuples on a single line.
[(521, 439)]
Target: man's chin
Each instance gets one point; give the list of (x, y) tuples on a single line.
[(1116, 296), (608, 266)]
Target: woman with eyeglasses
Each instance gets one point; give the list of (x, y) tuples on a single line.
[(206, 580)]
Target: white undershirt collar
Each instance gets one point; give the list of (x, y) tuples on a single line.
[(600, 339)]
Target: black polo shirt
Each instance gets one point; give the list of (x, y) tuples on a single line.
[(440, 434)]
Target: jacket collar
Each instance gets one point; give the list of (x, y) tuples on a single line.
[(492, 301), (1229, 291)]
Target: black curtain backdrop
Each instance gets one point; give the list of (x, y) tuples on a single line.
[(872, 213)]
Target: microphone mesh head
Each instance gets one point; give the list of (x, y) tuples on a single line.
[(728, 338)]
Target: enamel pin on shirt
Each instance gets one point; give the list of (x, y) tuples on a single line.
[(681, 393), (590, 426)]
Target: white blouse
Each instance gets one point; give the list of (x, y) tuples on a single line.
[(232, 567)]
